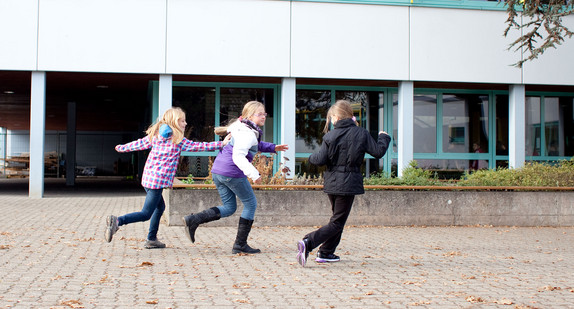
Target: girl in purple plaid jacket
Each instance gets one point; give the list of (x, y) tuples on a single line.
[(166, 140)]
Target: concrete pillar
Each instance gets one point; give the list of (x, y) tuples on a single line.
[(516, 126), (165, 94), (287, 127), (37, 132), (405, 125)]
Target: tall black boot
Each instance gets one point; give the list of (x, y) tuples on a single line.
[(240, 244), (194, 220)]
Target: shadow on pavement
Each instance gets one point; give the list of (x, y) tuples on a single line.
[(84, 186)]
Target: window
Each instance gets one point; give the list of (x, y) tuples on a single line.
[(312, 106), (424, 122), (549, 127), (207, 107), (465, 123)]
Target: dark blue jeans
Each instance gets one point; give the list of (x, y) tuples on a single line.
[(153, 208), (229, 189)]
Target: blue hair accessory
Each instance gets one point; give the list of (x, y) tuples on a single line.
[(165, 131)]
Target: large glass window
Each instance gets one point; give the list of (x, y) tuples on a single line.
[(465, 123), (549, 127), (424, 123), (312, 106), (533, 137), (233, 100), (199, 106), (502, 130), (552, 125), (208, 107)]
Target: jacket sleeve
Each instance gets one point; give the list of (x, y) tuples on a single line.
[(379, 148), (188, 145), (321, 156), (140, 144), (266, 147), (241, 145)]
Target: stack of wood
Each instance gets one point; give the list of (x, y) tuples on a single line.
[(19, 166)]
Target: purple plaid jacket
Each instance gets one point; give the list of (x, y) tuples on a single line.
[(163, 158)]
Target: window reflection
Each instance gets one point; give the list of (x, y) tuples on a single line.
[(232, 102), (199, 106), (552, 123), (558, 126), (532, 126), (465, 124), (424, 123), (311, 111), (359, 101)]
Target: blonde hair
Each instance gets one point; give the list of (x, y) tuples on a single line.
[(171, 117), (249, 110), (341, 109)]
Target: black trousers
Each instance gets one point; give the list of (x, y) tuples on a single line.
[(330, 235)]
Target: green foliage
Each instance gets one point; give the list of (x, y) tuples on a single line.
[(412, 176), (537, 20), (188, 180), (533, 174)]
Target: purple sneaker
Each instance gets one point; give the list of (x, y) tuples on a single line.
[(302, 252)]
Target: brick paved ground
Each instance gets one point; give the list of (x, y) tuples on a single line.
[(53, 255)]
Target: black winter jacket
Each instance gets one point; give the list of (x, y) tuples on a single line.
[(343, 151)]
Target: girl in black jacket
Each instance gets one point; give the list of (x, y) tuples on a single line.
[(342, 151)]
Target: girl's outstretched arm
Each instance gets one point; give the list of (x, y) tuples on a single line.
[(140, 144), (187, 145)]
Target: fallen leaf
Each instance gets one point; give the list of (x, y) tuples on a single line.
[(503, 301), (72, 303)]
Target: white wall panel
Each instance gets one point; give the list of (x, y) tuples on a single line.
[(461, 46), (228, 37), (18, 30), (102, 35), (555, 66), (349, 41)]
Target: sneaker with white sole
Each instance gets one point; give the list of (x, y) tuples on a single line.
[(302, 252), (154, 244), (326, 258), (111, 227)]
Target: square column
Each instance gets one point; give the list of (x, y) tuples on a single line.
[(165, 94), (405, 125), (288, 108), (516, 126), (37, 132)]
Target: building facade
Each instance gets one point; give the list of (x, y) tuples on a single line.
[(78, 77)]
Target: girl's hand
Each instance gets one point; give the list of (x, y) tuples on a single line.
[(257, 181), (281, 147), (226, 139)]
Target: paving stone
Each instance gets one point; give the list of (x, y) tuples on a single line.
[(53, 255)]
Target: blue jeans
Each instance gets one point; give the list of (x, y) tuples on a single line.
[(229, 188), (153, 208)]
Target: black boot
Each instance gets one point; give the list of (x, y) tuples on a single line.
[(194, 220), (240, 245)]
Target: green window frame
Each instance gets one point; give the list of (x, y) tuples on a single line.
[(460, 4)]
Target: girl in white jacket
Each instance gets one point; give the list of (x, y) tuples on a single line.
[(230, 172)]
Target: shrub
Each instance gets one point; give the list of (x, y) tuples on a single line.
[(535, 174)]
